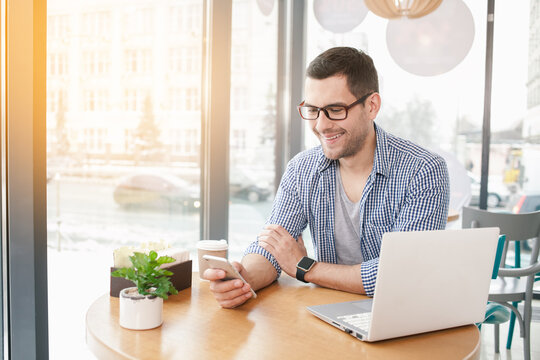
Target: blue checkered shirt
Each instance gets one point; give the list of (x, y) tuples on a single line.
[(408, 189)]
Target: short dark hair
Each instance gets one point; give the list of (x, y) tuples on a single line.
[(355, 64)]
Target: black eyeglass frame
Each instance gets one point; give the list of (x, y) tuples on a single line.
[(324, 109)]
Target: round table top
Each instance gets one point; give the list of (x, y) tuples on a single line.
[(274, 325), (453, 215)]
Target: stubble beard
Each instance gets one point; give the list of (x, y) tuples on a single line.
[(351, 147)]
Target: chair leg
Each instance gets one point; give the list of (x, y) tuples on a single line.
[(511, 327), (496, 330), (527, 315), (527, 344)]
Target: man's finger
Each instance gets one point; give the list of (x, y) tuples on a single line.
[(232, 303), (269, 242), (281, 231), (270, 233), (267, 246), (266, 232), (278, 229), (233, 294), (238, 266), (225, 286), (213, 274), (268, 239)]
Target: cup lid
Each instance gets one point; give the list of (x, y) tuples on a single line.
[(213, 244)]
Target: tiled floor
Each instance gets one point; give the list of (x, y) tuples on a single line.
[(488, 351)]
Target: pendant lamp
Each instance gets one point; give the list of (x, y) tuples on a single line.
[(393, 9)]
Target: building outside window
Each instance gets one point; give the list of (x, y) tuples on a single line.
[(138, 61), (58, 64), (118, 125), (96, 62), (252, 130), (238, 140), (139, 21), (186, 60), (134, 99), (239, 58), (192, 100), (56, 100), (121, 124), (186, 141), (185, 19), (96, 23), (193, 18), (96, 100), (57, 26), (94, 140)]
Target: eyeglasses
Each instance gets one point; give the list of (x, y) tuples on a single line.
[(332, 112)]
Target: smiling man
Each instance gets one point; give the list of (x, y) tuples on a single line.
[(360, 183)]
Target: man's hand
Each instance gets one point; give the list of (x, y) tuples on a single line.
[(287, 251), (231, 293)]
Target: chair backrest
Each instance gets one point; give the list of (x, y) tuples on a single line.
[(498, 256), (516, 227)]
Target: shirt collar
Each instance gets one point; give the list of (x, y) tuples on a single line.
[(380, 165), (380, 157)]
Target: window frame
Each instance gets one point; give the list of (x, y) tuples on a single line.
[(24, 212)]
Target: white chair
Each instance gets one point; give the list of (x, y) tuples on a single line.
[(513, 284)]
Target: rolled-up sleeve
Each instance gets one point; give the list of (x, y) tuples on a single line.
[(368, 270), (425, 208), (286, 212)]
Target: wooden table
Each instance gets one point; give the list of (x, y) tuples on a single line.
[(276, 325), (453, 215)]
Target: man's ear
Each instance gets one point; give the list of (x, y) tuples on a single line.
[(373, 105)]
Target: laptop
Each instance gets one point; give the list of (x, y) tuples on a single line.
[(427, 281)]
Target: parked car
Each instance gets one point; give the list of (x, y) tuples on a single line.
[(157, 191), (525, 203), (498, 193), (244, 187)]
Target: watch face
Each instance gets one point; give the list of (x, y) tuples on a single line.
[(305, 263)]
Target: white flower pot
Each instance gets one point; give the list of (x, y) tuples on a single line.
[(140, 312)]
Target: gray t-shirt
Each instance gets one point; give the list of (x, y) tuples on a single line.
[(346, 227)]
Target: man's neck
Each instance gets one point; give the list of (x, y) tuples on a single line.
[(361, 163)]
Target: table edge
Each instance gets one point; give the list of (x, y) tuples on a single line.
[(98, 347)]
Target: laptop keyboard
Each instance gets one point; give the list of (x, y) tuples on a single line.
[(360, 321)]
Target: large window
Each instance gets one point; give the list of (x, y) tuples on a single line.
[(118, 136), (124, 111), (253, 118)]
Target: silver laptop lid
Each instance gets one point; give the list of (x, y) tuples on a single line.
[(431, 280)]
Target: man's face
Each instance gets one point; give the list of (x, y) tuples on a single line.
[(343, 138)]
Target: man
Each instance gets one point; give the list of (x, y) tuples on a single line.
[(360, 183)]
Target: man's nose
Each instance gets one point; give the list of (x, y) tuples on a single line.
[(323, 122)]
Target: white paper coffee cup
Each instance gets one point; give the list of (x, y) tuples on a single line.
[(211, 247)]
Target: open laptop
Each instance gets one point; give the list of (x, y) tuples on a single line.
[(427, 280)]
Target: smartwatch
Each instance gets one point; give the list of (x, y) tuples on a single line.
[(304, 265)]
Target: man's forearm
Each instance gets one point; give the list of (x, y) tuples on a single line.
[(340, 277), (260, 271)]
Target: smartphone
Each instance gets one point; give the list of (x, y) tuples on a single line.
[(215, 262)]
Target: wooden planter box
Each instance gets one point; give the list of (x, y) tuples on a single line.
[(181, 278)]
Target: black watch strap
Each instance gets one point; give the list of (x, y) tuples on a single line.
[(300, 274), (304, 265)]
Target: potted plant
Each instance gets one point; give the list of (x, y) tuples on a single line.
[(141, 307)]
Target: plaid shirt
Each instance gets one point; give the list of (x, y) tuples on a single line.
[(408, 189)]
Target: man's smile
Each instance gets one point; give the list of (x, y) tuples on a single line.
[(330, 139)]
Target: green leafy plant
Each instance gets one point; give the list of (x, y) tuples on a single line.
[(146, 274)]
